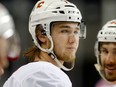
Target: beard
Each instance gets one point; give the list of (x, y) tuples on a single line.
[(66, 57)]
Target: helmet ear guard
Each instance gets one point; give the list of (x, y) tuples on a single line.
[(83, 30), (14, 48)]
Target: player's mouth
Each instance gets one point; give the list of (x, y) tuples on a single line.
[(110, 69), (71, 48)]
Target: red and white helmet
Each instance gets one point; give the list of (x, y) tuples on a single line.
[(106, 34), (47, 11), (7, 31)]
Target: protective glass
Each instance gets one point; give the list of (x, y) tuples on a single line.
[(83, 30)]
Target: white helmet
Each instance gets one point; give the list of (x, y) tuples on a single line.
[(7, 31), (47, 11), (106, 34), (5, 19)]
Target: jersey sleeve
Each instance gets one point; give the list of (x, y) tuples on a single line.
[(12, 82)]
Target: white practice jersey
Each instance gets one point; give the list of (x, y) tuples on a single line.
[(38, 74), (114, 85)]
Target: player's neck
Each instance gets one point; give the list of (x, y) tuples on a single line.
[(43, 56)]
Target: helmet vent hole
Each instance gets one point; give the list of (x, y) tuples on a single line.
[(62, 12), (101, 33), (69, 17), (69, 6), (54, 11), (44, 27), (105, 38), (111, 26), (58, 8)]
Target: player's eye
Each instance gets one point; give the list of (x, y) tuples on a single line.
[(64, 31), (114, 52), (76, 32), (104, 51)]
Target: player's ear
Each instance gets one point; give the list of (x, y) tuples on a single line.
[(41, 36)]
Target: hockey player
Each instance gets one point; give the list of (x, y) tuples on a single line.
[(105, 51), (56, 27), (9, 39)]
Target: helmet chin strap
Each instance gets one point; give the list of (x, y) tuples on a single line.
[(98, 68), (53, 56)]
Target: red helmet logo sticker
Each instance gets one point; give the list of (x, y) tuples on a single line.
[(40, 4), (114, 22), (66, 1)]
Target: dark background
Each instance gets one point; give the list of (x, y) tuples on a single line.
[(95, 12)]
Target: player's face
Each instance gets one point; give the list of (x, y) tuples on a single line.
[(3, 54), (66, 40), (108, 60)]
